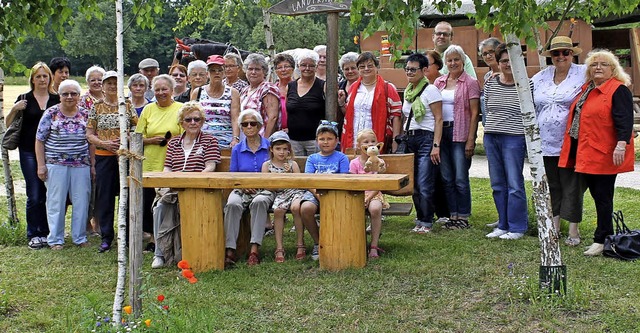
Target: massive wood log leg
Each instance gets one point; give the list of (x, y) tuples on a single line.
[(202, 228), (342, 232)]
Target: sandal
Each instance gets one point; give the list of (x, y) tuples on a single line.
[(302, 252), (379, 251), (570, 241), (456, 224), (279, 255), (254, 259), (229, 261)]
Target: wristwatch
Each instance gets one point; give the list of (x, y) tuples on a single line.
[(237, 138), (436, 145)]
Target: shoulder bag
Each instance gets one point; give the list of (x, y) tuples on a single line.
[(11, 137), (403, 138)]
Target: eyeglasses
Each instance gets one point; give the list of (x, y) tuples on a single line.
[(504, 61), (442, 34), (198, 74), (192, 120), (167, 136), (556, 53), (487, 53), (310, 66), (215, 70), (249, 123), (69, 94), (599, 64), (283, 68), (178, 75), (411, 69)]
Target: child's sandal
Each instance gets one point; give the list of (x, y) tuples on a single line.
[(279, 255), (302, 252)]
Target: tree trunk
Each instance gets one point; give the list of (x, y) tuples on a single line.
[(550, 256), (268, 35), (122, 164), (8, 178), (135, 223)]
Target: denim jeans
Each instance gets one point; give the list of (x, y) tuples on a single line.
[(107, 188), (454, 167), (505, 154), (423, 176), (36, 197), (76, 182)]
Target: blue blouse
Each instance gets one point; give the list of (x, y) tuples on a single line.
[(245, 160)]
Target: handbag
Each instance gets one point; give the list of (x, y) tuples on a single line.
[(625, 243), (11, 137), (403, 139)]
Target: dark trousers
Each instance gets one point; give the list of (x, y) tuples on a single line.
[(107, 188), (439, 197), (37, 225), (148, 195), (602, 188)]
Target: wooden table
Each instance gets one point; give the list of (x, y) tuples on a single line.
[(342, 231)]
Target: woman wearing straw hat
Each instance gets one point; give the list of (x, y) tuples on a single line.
[(554, 89)]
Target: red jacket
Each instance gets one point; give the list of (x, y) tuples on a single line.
[(597, 137)]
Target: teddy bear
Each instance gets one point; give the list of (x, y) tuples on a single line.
[(374, 163)]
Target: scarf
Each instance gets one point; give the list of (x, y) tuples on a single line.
[(411, 94), (575, 124)]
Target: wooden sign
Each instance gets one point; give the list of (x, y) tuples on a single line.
[(300, 7)]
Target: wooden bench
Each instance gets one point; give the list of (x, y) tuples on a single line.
[(342, 236)]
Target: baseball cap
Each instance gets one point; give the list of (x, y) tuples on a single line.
[(109, 74), (148, 63), (279, 136), (327, 125), (215, 60)]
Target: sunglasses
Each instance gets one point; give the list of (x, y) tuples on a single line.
[(411, 69), (167, 136), (192, 120), (69, 94), (178, 75), (556, 53), (249, 123)]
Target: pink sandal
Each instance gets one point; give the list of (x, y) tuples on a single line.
[(377, 254)]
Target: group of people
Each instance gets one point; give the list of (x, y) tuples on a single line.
[(69, 142)]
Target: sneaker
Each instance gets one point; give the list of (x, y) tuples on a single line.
[(104, 247), (368, 230), (496, 233), (35, 243), (493, 225), (158, 262), (594, 250), (269, 232), (511, 235), (315, 253), (44, 241), (442, 220), (424, 230), (416, 228)]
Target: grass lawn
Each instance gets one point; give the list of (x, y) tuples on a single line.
[(447, 281)]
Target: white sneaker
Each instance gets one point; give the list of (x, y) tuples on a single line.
[(158, 262), (442, 220), (415, 229), (424, 230), (315, 253), (594, 250), (493, 225), (293, 229), (368, 230), (512, 235), (496, 233)]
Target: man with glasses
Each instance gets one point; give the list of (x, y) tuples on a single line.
[(442, 38)]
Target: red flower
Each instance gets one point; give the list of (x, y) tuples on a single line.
[(160, 298), (183, 264), (166, 307), (193, 280), (187, 273)]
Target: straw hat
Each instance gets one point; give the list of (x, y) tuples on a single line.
[(561, 43)]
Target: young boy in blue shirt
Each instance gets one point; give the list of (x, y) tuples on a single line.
[(328, 160)]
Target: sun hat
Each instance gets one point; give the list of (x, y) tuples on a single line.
[(215, 60), (279, 136), (148, 63), (109, 74), (561, 43)]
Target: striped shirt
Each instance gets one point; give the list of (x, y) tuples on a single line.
[(217, 115), (204, 149), (503, 108), (65, 138)]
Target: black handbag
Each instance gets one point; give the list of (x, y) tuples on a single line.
[(11, 137), (403, 139), (625, 243)]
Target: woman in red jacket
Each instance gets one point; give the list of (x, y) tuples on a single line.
[(598, 141)]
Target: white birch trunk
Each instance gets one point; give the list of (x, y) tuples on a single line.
[(122, 164), (268, 35), (549, 247), (8, 178)]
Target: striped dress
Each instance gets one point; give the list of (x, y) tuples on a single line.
[(218, 116)]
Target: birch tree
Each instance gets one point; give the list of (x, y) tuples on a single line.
[(8, 178), (517, 20)]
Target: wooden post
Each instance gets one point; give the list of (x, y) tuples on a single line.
[(343, 240), (8, 178), (331, 99), (135, 224)]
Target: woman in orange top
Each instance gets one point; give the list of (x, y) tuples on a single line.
[(598, 141)]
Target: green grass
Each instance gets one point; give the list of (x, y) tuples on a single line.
[(447, 281)]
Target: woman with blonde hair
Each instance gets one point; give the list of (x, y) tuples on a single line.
[(32, 105)]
